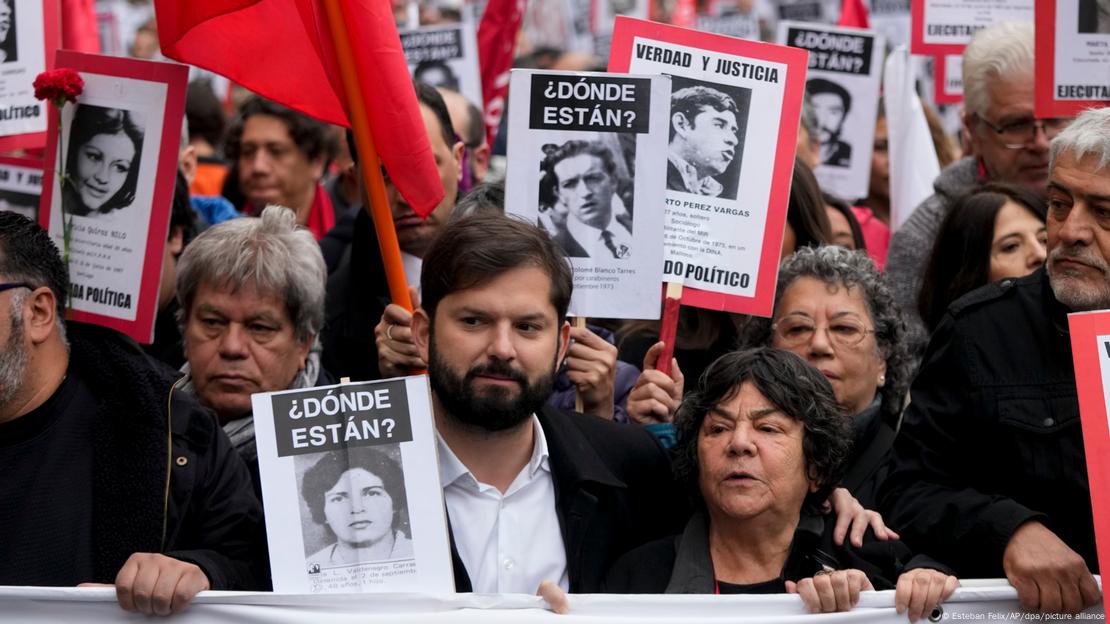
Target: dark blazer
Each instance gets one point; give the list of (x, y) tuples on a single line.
[(613, 492)]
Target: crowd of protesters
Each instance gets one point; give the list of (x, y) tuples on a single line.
[(904, 418)]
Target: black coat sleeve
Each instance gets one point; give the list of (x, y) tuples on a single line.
[(943, 441), (215, 519)]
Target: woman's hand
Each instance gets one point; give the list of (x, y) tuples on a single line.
[(920, 591), (592, 368), (656, 395), (830, 591), (849, 513)]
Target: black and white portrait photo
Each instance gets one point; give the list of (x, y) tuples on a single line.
[(436, 73), (1094, 17), (831, 105), (355, 508), (708, 124), (9, 51), (102, 160), (586, 196)]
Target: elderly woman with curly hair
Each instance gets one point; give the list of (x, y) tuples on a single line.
[(761, 443), (834, 309)]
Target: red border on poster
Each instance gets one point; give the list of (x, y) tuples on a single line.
[(175, 77), (917, 35), (796, 60), (51, 38), (19, 161), (1045, 103), (1086, 327), (940, 75)]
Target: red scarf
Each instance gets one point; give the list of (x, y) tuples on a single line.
[(321, 215)]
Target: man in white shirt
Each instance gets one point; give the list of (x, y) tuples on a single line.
[(582, 176), (533, 494)]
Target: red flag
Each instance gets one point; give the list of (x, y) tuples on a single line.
[(496, 44), (853, 13), (79, 26), (281, 49)]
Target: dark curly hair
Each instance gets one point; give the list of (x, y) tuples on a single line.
[(312, 137), (325, 473), (837, 266), (792, 386)]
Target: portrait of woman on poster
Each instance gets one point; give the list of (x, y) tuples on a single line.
[(102, 160), (358, 496), (9, 52)]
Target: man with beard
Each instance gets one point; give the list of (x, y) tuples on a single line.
[(111, 474), (533, 494), (989, 471)]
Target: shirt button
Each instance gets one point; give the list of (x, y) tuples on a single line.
[(1048, 422), (508, 563)]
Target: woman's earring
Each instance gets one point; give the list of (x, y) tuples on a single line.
[(882, 379)]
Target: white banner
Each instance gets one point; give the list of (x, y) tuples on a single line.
[(981, 601)]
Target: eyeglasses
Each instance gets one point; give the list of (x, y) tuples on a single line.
[(795, 331), (4, 287), (1022, 133)]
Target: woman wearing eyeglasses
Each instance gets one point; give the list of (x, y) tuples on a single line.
[(834, 309)]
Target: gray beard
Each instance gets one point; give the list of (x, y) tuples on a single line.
[(13, 358)]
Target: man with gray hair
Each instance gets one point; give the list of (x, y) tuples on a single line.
[(989, 472), (1008, 145), (252, 305)]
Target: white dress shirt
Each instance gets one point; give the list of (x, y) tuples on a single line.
[(508, 542), (412, 266), (592, 240)]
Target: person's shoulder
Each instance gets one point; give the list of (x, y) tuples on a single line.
[(645, 569), (957, 177), (985, 299), (627, 450), (595, 429)]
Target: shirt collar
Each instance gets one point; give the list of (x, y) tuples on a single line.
[(451, 468), (694, 183), (588, 234)]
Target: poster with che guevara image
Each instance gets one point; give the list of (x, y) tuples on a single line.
[(351, 489), (29, 34), (945, 26), (445, 56), (20, 185), (845, 70), (584, 164), (733, 123), (1072, 56), (118, 148)]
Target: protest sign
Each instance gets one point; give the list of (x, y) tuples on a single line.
[(891, 19), (20, 186), (948, 79), (445, 56), (119, 147), (941, 27), (603, 14), (350, 484), (1072, 56), (739, 24), (1090, 348), (845, 70), (819, 11), (727, 184), (584, 164), (29, 35)]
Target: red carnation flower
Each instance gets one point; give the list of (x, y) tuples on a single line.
[(59, 86)]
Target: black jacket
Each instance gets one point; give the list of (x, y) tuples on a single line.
[(182, 492), (613, 491), (682, 565), (992, 436), (872, 441)]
